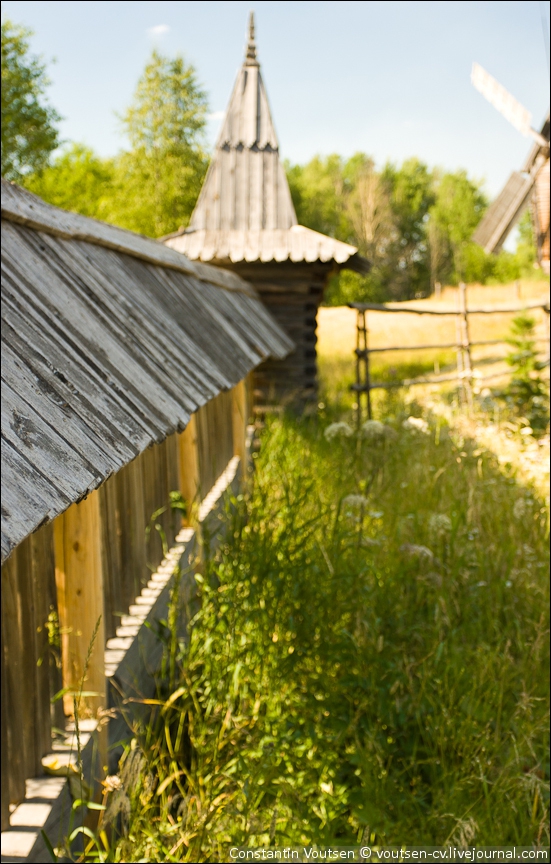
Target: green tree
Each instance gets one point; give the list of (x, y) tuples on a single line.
[(29, 134), (458, 208), (76, 180), (411, 195), (157, 181), (319, 190)]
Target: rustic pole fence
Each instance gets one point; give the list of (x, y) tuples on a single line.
[(363, 380), (462, 345)]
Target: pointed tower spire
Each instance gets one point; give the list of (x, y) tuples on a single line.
[(250, 56)]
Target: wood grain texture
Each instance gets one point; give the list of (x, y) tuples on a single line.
[(189, 465), (106, 354), (25, 650), (24, 208), (79, 579)]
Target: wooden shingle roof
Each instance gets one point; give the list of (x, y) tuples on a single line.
[(244, 211), (110, 341), (506, 209)]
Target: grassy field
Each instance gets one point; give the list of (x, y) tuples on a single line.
[(337, 336), (370, 659)]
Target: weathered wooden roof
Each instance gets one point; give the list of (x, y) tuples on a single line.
[(296, 244), (244, 211), (507, 208), (110, 342), (504, 211)]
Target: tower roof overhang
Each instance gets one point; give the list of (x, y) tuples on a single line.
[(244, 212)]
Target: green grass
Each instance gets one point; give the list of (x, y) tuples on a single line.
[(341, 682)]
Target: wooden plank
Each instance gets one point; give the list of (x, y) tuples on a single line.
[(4, 721), (42, 574), (12, 650), (114, 605), (136, 517), (23, 208), (173, 482), (239, 420), (79, 579), (189, 464), (150, 485), (485, 310)]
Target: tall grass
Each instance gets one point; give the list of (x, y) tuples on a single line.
[(372, 666)]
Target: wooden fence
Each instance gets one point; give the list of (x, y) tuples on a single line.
[(90, 564), (462, 345)]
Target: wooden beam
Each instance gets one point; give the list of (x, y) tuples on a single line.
[(79, 581), (239, 421), (189, 465)]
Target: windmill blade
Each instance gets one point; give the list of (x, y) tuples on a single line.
[(504, 212), (500, 98)]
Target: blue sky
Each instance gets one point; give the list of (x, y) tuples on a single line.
[(389, 78)]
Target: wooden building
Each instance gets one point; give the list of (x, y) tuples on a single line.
[(125, 391), (245, 221), (528, 187)]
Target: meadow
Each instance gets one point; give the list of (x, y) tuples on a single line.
[(369, 660), (337, 336)]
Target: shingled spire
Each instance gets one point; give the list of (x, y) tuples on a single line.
[(245, 220), (250, 56), (246, 188)]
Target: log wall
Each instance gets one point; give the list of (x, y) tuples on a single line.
[(292, 293), (89, 565)]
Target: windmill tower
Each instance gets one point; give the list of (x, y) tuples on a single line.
[(527, 187), (245, 220)]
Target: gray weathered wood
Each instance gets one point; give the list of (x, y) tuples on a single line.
[(106, 353)]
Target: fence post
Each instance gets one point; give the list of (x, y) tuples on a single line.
[(459, 349), (466, 345), (363, 382)]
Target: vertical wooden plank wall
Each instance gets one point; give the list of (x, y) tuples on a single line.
[(79, 580), (214, 439), (26, 674), (96, 557)]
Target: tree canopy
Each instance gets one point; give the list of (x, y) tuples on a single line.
[(413, 223), (29, 133), (151, 187)]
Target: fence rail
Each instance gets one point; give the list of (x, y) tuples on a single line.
[(465, 371)]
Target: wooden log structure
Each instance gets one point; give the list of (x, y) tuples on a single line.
[(245, 221), (126, 386)]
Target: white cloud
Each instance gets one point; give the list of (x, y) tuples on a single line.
[(217, 115), (158, 30)]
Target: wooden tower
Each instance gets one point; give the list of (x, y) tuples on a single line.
[(245, 220)]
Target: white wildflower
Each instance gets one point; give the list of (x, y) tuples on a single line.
[(520, 508), (112, 782), (374, 430), (416, 424), (411, 550), (338, 430), (353, 501), (440, 524)]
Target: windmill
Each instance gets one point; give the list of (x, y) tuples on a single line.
[(527, 187)]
